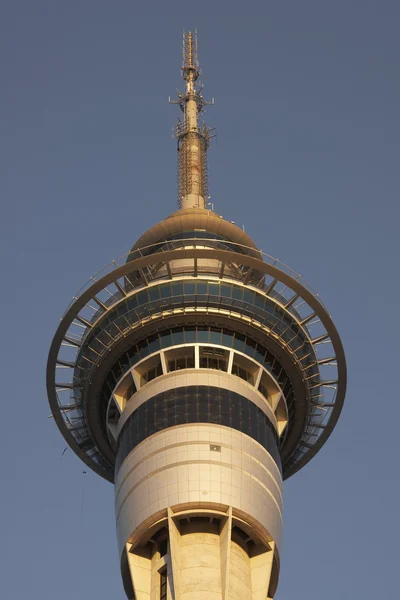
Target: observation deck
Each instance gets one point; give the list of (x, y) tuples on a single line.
[(194, 289)]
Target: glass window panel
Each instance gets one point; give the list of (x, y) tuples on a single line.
[(287, 334), (254, 416), (259, 354), (177, 336), (122, 308), (202, 334), (140, 423), (244, 416), (165, 290), (269, 306), (287, 387), (189, 287), (202, 409), (239, 341), (237, 292), (215, 336), (262, 433), (152, 374), (177, 289), (214, 412), (115, 374), (142, 311), (259, 301), (268, 367), (124, 362), (133, 355), (150, 423), (143, 349), (165, 338), (122, 323), (132, 302), (154, 293), (190, 336), (248, 296), (104, 338), (225, 409), (180, 414), (163, 585), (214, 288), (213, 363), (251, 347), (227, 339), (235, 415), (160, 421), (170, 396), (142, 297), (181, 363), (192, 411), (269, 357), (201, 287), (154, 343), (226, 291)]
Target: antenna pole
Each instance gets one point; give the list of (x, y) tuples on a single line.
[(193, 140)]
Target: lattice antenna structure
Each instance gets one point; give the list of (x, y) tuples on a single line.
[(190, 56), (193, 139)]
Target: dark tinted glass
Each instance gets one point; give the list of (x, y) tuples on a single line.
[(197, 404), (163, 585)]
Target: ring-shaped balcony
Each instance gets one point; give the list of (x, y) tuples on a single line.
[(276, 283), (194, 357)]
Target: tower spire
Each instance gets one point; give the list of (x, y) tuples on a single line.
[(193, 139)]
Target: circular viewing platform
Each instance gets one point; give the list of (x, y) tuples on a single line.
[(205, 292)]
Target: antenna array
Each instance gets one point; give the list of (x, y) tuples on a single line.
[(193, 140)]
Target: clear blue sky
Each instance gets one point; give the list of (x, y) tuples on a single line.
[(307, 157)]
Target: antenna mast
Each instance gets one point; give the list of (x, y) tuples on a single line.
[(193, 140)]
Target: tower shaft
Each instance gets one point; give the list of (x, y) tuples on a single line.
[(200, 502)]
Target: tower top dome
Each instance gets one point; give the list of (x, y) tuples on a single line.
[(196, 221)]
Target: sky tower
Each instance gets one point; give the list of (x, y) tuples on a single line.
[(195, 376)]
